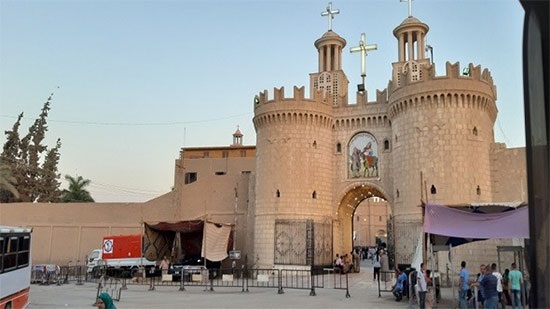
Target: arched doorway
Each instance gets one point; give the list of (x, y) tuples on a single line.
[(359, 194)]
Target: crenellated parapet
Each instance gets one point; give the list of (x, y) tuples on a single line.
[(471, 88), (295, 110), (471, 72), (298, 96)]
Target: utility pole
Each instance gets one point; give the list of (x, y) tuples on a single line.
[(234, 262)]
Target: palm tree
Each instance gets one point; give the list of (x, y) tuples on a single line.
[(8, 181), (76, 192)]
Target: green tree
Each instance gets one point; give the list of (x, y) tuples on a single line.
[(7, 181), (76, 192), (49, 176), (31, 163)]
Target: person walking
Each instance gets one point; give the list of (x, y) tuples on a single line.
[(164, 265), (356, 260), (480, 293), (376, 265), (489, 288), (104, 301), (515, 282), (499, 284), (430, 285), (464, 286), (422, 286), (384, 266), (506, 287)]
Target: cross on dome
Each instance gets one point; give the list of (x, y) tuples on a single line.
[(410, 6), (330, 13)]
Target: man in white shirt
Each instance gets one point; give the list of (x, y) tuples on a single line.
[(422, 287), (499, 284)]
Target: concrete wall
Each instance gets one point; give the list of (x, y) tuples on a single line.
[(67, 232)]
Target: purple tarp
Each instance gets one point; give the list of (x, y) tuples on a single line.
[(447, 221)]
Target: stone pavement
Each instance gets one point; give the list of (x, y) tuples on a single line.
[(363, 290)]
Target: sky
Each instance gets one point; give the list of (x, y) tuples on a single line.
[(135, 81)]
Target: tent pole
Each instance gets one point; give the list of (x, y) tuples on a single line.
[(451, 274), (430, 262)]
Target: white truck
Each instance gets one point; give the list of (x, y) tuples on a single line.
[(121, 255)]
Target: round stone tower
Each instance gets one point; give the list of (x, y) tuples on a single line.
[(442, 129), (294, 165)]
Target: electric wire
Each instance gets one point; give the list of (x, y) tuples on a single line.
[(168, 123)]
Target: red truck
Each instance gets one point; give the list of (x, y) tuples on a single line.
[(120, 255)]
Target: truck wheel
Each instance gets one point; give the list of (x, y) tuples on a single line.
[(96, 273), (133, 272)]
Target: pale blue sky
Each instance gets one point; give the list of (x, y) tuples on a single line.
[(141, 79)]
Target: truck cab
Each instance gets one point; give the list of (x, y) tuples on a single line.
[(94, 259)]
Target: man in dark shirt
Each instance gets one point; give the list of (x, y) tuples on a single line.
[(489, 285)]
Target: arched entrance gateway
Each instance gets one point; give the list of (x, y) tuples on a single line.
[(361, 193)]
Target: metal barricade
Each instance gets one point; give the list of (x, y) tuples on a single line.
[(111, 286), (385, 282)]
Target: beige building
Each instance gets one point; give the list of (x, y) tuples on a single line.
[(317, 160), (370, 222)]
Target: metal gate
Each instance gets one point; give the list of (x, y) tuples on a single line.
[(297, 242)]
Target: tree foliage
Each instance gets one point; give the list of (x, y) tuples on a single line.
[(76, 192), (32, 166), (7, 181)]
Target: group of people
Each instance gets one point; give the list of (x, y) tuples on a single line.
[(348, 262), (422, 284), (493, 287), (380, 262)]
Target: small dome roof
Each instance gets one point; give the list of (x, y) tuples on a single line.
[(330, 33), (410, 23), (410, 20), (330, 36)]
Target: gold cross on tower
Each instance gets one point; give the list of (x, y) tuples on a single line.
[(330, 13), (363, 48)]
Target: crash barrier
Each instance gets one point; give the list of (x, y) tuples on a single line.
[(111, 286), (104, 270), (385, 281), (46, 274), (54, 274), (198, 276), (240, 278)]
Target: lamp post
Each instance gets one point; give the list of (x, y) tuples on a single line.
[(431, 50)]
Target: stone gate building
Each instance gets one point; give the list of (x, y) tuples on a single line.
[(319, 157)]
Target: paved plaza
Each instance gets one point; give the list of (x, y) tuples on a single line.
[(363, 291)]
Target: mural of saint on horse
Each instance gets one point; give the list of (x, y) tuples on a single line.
[(363, 156)]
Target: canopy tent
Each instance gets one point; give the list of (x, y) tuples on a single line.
[(450, 226), (194, 238), (465, 223)]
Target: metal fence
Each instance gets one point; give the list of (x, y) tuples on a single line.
[(385, 282), (241, 279)]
